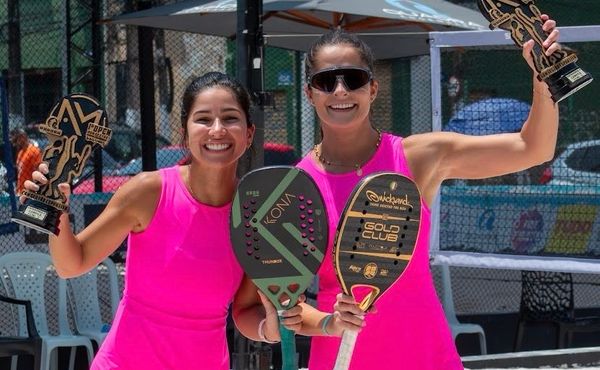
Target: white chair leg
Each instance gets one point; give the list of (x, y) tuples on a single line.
[(90, 354), (54, 358), (14, 362), (45, 358), (482, 344), (72, 358)]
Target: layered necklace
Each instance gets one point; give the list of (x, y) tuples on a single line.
[(357, 166)]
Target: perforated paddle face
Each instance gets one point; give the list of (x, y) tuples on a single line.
[(279, 231), (376, 235)]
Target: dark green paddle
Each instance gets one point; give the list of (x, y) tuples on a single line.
[(279, 233)]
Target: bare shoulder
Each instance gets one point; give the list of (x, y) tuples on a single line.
[(428, 140), (140, 186), (425, 156), (139, 196), (427, 146)]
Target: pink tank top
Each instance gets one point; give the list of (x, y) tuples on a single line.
[(181, 276), (409, 330)]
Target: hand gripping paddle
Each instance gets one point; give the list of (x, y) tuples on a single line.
[(374, 243), (279, 233)]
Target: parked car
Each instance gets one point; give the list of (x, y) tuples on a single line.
[(109, 166), (165, 157), (279, 154), (275, 154), (578, 164), (124, 145)]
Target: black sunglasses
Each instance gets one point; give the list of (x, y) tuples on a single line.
[(352, 77)]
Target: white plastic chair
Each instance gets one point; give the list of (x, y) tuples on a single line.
[(448, 303), (26, 273), (85, 301)]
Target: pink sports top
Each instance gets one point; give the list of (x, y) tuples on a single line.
[(181, 277), (409, 329)]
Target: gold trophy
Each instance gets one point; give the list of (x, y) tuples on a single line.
[(76, 127), (523, 19)]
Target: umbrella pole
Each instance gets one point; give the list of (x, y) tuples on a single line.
[(249, 46)]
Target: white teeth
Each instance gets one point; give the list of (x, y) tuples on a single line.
[(217, 147), (342, 106)]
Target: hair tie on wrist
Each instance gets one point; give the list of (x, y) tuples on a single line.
[(261, 333), (324, 324)]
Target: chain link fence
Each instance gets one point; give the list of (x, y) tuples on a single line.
[(51, 48), (547, 211)]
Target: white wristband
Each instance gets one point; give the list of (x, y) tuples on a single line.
[(261, 333)]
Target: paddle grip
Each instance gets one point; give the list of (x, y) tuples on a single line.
[(344, 356), (288, 348)]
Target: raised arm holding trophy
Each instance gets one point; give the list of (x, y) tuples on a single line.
[(524, 21), (76, 126)]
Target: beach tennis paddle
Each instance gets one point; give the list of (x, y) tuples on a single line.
[(279, 233), (374, 243)]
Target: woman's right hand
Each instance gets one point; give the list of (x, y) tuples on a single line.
[(39, 177), (346, 315)]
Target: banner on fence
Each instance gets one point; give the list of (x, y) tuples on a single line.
[(549, 221)]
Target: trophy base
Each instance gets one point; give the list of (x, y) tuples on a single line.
[(39, 216), (567, 81)]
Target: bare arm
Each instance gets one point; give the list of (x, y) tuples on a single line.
[(130, 209), (250, 307), (346, 316), (435, 157), (247, 312), (312, 320)]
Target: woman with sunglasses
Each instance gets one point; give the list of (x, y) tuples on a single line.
[(408, 329)]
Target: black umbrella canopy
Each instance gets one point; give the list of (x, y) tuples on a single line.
[(393, 28)]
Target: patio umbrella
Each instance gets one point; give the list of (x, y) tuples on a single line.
[(393, 28), (489, 116)]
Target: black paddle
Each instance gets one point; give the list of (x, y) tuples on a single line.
[(374, 243), (279, 233)]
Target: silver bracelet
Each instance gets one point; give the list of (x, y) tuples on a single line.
[(261, 333)]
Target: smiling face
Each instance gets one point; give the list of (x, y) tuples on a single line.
[(217, 128), (341, 107)]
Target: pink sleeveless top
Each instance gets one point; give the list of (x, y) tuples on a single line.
[(409, 329), (180, 280)]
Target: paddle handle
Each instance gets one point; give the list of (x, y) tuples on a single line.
[(288, 348), (344, 356)]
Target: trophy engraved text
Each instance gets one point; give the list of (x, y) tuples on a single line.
[(76, 126), (522, 18)]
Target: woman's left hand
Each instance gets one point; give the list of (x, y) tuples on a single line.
[(550, 45), (290, 318)]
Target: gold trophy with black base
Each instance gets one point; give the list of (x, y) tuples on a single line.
[(75, 128), (523, 19)]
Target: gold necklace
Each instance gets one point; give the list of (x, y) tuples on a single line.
[(356, 166)]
